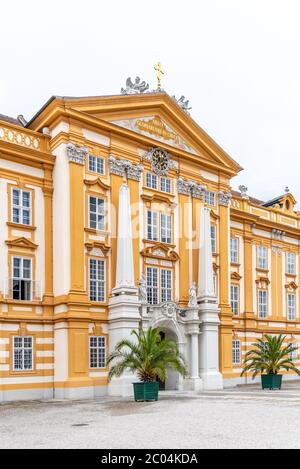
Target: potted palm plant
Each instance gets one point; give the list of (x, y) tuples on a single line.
[(148, 356), (268, 356)]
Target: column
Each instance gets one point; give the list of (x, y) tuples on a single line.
[(248, 277)]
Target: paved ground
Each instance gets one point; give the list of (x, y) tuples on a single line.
[(244, 417)]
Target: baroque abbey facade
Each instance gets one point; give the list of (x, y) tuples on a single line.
[(117, 213)]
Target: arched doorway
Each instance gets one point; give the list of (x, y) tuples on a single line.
[(172, 381)]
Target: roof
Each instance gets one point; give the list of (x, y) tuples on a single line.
[(9, 119), (274, 201), (251, 199)]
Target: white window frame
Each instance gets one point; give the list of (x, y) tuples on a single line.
[(234, 250), (100, 222), (213, 238), (262, 305), (23, 348), (234, 299), (20, 207), (166, 228), (99, 348), (96, 164), (291, 306), (210, 198), (21, 278), (262, 257), (166, 284), (152, 285), (100, 283), (151, 181), (165, 185), (152, 225), (290, 263), (236, 352)]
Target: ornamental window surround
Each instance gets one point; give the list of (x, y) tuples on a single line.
[(21, 206), (236, 352), (21, 278), (159, 284), (97, 351), (97, 280), (22, 353)]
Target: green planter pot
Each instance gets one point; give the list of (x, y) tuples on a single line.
[(271, 381), (146, 391)]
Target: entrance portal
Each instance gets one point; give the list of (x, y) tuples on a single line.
[(172, 380)]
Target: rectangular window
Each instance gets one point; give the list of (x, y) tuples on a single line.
[(290, 261), (165, 185), (234, 250), (166, 285), (96, 164), (97, 280), (262, 257), (209, 198), (22, 353), (294, 354), (262, 303), (151, 181), (152, 285), (96, 213), (213, 237), (97, 352), (152, 225), (21, 206), (234, 298), (236, 352), (21, 279), (165, 228), (291, 306)]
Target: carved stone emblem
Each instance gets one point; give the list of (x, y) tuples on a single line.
[(224, 198), (169, 309), (136, 87), (190, 188), (76, 154)]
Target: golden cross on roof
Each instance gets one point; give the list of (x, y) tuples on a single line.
[(160, 72)]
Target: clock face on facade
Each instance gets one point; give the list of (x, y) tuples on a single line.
[(160, 161)]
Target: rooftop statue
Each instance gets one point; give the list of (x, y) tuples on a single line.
[(183, 103), (136, 87)]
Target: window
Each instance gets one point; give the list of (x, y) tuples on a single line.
[(96, 213), (213, 237), (236, 352), (151, 181), (294, 354), (165, 228), (209, 198), (165, 184), (290, 263), (234, 250), (152, 285), (234, 298), (262, 303), (291, 306), (215, 284), (97, 279), (21, 279), (262, 257), (152, 225), (21, 206), (97, 352), (96, 164), (22, 353), (166, 285)]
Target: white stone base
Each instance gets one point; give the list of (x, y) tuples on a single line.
[(193, 384), (212, 380), (88, 392), (26, 394), (122, 386)]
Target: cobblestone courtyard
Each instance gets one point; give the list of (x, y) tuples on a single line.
[(244, 417)]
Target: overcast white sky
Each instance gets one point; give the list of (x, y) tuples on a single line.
[(237, 61)]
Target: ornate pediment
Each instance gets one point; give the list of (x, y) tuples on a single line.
[(96, 182), (160, 251), (155, 127), (97, 248), (262, 282), (235, 276), (291, 286), (21, 243)]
